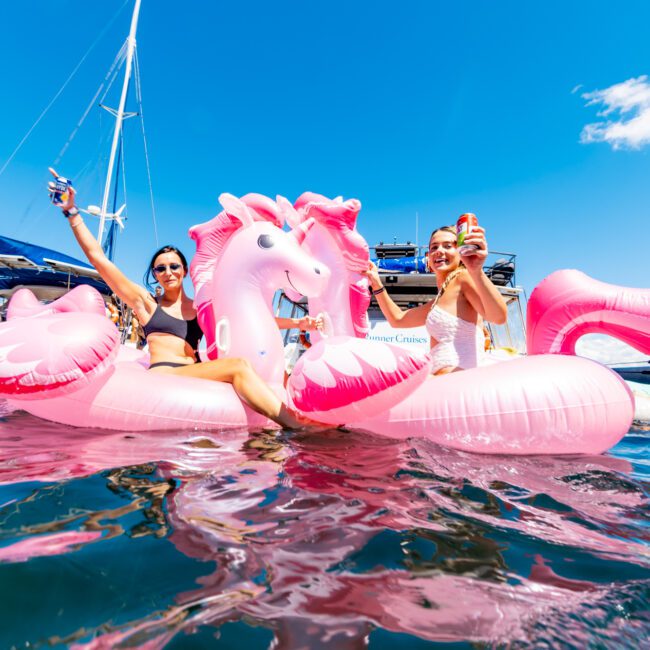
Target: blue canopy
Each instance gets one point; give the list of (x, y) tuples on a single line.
[(407, 264), (22, 263)]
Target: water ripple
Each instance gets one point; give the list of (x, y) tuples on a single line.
[(340, 540)]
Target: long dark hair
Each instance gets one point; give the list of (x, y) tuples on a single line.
[(149, 276)]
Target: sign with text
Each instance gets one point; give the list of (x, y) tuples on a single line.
[(413, 337)]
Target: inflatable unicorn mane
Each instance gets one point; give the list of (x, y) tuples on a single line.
[(62, 361)]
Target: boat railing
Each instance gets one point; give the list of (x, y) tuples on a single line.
[(500, 267)]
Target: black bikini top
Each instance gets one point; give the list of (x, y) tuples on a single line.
[(162, 323)]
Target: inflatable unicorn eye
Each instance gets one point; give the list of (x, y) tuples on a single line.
[(265, 241)]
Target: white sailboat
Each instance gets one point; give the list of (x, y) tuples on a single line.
[(120, 114), (50, 273)]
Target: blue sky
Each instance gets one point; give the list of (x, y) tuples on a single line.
[(430, 107)]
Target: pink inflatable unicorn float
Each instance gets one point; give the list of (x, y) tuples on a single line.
[(62, 361), (540, 404), (549, 402)]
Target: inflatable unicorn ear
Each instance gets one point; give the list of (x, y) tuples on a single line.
[(236, 208), (263, 208), (291, 215), (253, 207)]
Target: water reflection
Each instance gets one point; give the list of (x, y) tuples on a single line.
[(324, 539)]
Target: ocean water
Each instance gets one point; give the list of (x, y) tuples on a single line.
[(341, 540)]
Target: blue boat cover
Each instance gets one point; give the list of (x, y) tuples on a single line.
[(44, 274), (402, 264)]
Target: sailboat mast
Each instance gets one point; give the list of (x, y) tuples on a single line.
[(119, 117)]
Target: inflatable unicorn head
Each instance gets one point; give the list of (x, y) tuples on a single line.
[(327, 228), (242, 258)]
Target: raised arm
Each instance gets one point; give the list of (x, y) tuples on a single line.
[(477, 287), (133, 295), (394, 314)]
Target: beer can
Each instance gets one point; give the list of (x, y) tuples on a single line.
[(465, 224), (59, 190)]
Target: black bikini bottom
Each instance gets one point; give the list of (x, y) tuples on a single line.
[(168, 364)]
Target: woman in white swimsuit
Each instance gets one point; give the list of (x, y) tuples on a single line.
[(466, 297)]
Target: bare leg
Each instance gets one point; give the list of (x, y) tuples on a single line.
[(250, 387), (444, 371)]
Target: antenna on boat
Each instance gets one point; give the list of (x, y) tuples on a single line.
[(417, 241), (120, 116)]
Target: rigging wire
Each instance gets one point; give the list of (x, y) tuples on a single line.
[(126, 202), (78, 175), (138, 95), (123, 173), (122, 57), (91, 162), (113, 70), (66, 82)]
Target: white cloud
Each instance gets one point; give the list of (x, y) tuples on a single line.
[(628, 101), (608, 350)]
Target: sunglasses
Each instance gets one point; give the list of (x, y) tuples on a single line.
[(161, 268)]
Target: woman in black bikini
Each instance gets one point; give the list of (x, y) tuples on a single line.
[(171, 327)]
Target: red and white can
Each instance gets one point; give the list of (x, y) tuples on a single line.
[(465, 224)]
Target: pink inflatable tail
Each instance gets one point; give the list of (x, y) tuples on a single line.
[(83, 298), (569, 304), (51, 350)]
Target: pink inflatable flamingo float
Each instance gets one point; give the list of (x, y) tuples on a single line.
[(541, 404), (59, 365)]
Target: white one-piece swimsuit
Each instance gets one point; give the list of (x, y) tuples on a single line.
[(460, 343)]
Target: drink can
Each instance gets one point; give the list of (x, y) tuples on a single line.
[(59, 190), (465, 224)]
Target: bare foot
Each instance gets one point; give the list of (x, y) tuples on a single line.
[(291, 419)]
